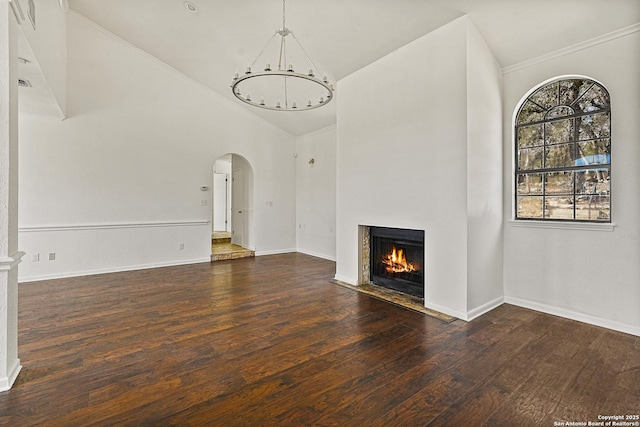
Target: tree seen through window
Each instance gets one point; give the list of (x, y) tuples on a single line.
[(563, 153)]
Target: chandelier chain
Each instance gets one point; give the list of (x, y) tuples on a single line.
[(263, 49), (305, 54), (283, 15)]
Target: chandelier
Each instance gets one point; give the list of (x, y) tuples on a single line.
[(281, 88)]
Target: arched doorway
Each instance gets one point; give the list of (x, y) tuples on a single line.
[(232, 208)]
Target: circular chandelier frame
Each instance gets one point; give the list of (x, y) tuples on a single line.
[(324, 88), (235, 87)]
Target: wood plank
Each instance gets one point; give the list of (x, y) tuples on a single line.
[(271, 341)]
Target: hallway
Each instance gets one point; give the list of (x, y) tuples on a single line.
[(222, 248)]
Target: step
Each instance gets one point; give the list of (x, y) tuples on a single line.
[(232, 255), (219, 240)]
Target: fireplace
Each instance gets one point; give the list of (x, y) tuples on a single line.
[(396, 259)]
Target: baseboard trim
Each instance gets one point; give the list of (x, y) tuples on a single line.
[(349, 280), (276, 252), (573, 315), (27, 279), (7, 382), (446, 310), (317, 255), (484, 308)]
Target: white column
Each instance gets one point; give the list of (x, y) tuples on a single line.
[(9, 254)]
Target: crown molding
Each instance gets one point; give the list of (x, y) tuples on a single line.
[(573, 48), (317, 131)]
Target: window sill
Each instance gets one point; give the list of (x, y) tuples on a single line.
[(562, 225)]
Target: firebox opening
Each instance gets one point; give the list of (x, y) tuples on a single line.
[(397, 259)]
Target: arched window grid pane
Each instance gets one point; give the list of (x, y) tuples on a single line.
[(575, 115), (559, 112), (563, 162)]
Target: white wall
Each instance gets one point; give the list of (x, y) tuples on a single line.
[(484, 175), (9, 254), (404, 151), (117, 184), (587, 275), (316, 193)]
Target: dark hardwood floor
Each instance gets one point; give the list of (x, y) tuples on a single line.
[(270, 341)]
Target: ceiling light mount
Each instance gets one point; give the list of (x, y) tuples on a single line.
[(280, 89), (191, 7)]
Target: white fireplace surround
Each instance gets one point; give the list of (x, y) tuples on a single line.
[(364, 255), (434, 166)]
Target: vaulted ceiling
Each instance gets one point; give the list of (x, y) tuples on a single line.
[(341, 36)]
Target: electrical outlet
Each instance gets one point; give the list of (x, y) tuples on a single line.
[(35, 257), (52, 256), (204, 202)]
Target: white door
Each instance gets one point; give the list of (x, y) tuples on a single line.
[(237, 203), (220, 202)]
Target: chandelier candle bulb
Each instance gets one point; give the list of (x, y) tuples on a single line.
[(248, 70), (310, 73), (267, 67), (294, 105), (290, 69)]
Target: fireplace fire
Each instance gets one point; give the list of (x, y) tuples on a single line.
[(396, 262), (396, 259)]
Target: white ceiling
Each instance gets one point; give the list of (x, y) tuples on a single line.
[(341, 36), (38, 98)]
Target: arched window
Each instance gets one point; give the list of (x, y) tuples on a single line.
[(563, 153)]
